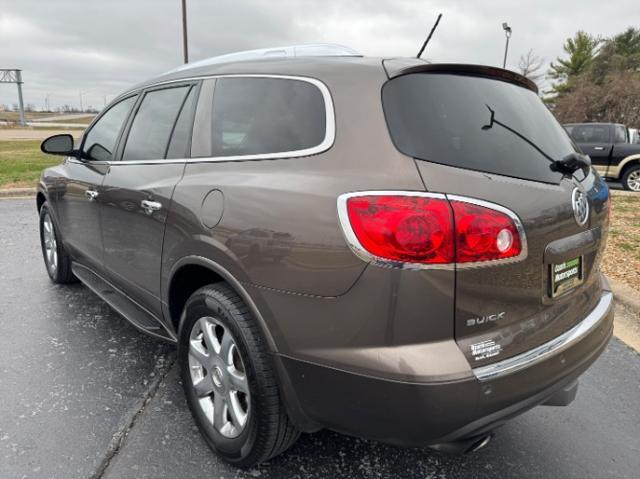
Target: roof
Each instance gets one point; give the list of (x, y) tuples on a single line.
[(318, 61)]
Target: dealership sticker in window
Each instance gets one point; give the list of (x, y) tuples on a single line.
[(485, 349)]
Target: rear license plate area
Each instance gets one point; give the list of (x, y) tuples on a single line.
[(566, 275)]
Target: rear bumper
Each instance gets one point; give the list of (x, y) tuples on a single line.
[(426, 413)]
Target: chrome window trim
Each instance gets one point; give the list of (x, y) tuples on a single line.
[(363, 254), (327, 142), (550, 348)]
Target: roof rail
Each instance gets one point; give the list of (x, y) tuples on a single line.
[(305, 50)]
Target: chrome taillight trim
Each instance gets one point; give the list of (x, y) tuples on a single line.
[(550, 348), (361, 252)]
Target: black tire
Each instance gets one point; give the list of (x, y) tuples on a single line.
[(634, 172), (61, 272), (268, 431)]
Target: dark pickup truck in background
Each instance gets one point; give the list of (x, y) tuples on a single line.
[(612, 154)]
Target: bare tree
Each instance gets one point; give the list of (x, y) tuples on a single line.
[(616, 100), (530, 66)]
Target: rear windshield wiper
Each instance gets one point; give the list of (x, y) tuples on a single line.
[(567, 165), (571, 163)]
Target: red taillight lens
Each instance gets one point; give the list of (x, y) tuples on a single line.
[(403, 228), (431, 229), (484, 234)]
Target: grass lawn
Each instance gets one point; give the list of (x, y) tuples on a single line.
[(29, 115), (622, 257), (85, 120), (21, 162)]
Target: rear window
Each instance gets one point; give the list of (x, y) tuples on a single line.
[(475, 123), (258, 116)]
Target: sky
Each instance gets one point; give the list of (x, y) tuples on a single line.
[(96, 49)]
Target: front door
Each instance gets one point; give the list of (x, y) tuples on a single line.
[(137, 191), (78, 197)]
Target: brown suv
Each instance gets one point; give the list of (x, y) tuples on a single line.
[(393, 249)]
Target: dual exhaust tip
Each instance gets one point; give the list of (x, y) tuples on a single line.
[(464, 446)]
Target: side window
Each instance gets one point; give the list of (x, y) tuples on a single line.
[(591, 133), (149, 134), (619, 134), (100, 141), (181, 136), (256, 116)]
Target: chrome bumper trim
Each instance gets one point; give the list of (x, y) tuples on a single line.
[(556, 345)]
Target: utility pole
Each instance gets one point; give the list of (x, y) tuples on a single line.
[(507, 34), (81, 93), (15, 76), (185, 48)]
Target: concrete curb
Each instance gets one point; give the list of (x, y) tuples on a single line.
[(626, 295), (21, 192)]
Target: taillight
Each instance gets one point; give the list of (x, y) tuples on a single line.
[(484, 234), (410, 229), (428, 228)]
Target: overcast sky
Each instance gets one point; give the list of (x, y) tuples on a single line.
[(101, 47)]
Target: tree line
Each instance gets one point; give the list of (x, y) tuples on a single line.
[(598, 79)]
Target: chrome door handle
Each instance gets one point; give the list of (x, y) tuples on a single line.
[(150, 206), (598, 148), (91, 194)]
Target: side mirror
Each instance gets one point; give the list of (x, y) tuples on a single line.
[(58, 145)]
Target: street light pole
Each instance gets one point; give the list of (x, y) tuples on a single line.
[(507, 34), (185, 48)]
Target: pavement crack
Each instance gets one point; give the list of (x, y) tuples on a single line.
[(161, 368)]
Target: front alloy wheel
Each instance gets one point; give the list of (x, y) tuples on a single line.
[(49, 244), (56, 259)]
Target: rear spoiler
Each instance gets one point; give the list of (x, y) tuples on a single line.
[(396, 67)]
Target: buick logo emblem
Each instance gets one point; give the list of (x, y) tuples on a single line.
[(580, 206)]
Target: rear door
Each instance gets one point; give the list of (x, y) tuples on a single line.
[(492, 140), (137, 190)]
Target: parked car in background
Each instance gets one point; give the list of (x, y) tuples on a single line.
[(398, 250), (611, 150)]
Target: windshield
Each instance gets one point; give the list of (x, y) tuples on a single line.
[(475, 123)]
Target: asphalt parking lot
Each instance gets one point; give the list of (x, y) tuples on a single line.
[(84, 395)]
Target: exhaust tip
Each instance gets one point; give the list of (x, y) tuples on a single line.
[(464, 446), (483, 441)]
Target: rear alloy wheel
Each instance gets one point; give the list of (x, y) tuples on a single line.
[(229, 379), (56, 259), (631, 179), (218, 377)]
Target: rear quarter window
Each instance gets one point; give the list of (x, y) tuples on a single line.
[(266, 116), (475, 123)]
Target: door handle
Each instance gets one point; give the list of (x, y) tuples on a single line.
[(91, 194), (150, 206), (598, 148)]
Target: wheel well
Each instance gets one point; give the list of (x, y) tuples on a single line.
[(184, 283), (628, 166), (40, 199)]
